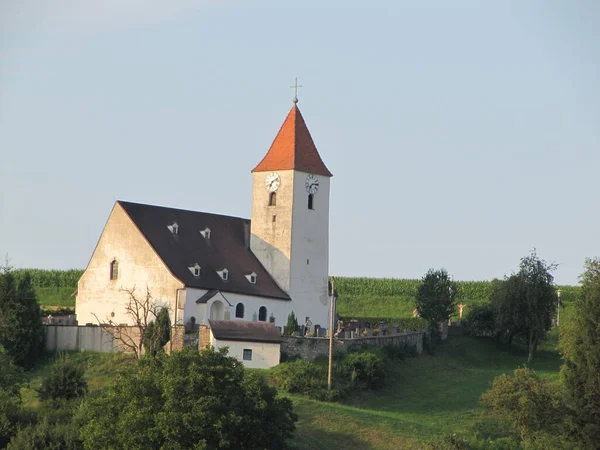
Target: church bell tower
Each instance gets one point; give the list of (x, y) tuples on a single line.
[(290, 218)]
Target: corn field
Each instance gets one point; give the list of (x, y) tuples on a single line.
[(50, 278)]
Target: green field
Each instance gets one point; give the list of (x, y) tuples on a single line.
[(359, 297)]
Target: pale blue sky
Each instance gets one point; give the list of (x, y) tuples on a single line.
[(460, 134)]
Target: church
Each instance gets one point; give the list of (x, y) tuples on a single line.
[(208, 267)]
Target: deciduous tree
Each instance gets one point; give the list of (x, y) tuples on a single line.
[(142, 311), (436, 298), (525, 303), (190, 399)]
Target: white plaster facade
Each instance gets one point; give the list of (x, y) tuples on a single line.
[(222, 307), (101, 299), (294, 247), (264, 354)]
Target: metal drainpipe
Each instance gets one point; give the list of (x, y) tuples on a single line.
[(177, 304)]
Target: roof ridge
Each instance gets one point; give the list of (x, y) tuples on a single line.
[(180, 209)]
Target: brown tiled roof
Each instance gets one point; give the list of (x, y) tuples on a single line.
[(243, 330), (293, 148), (228, 247)]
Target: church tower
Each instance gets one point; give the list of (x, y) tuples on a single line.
[(290, 219)]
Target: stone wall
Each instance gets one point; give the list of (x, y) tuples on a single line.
[(177, 338), (310, 348)]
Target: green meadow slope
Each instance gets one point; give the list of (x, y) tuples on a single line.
[(426, 396)]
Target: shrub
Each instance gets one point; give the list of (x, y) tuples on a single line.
[(364, 369), (524, 400), (10, 416), (46, 435), (481, 320), (65, 380), (300, 376), (449, 442), (398, 351)]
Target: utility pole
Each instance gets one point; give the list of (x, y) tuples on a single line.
[(558, 308), (332, 299)]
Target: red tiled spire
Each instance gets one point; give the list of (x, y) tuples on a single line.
[(293, 148)]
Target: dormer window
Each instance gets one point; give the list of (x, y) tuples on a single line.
[(205, 233), (173, 228), (195, 269), (224, 274), (251, 277)]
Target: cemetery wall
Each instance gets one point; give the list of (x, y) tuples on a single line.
[(310, 347), (97, 339)]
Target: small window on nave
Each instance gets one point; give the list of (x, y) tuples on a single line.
[(239, 311), (262, 314), (114, 270)]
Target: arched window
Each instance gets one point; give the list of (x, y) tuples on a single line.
[(114, 270), (262, 314), (272, 199), (239, 311), (311, 201)]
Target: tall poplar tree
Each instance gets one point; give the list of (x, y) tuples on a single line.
[(581, 351)]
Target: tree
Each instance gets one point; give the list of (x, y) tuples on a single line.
[(188, 399), (65, 380), (481, 320), (436, 298), (581, 351), (21, 328), (10, 398), (158, 333), (525, 303), (292, 324), (142, 310)]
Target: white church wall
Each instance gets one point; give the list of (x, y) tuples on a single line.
[(264, 354), (310, 252), (279, 308), (138, 266), (271, 240)]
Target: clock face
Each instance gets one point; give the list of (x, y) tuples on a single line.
[(312, 184), (272, 181)]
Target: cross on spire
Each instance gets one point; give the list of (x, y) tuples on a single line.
[(295, 87)]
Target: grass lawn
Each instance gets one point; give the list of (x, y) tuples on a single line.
[(100, 369), (428, 396), (55, 297)]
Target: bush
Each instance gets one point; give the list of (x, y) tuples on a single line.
[(302, 377), (10, 416), (526, 401), (449, 442), (398, 351), (481, 320), (65, 380), (46, 435), (365, 369)]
